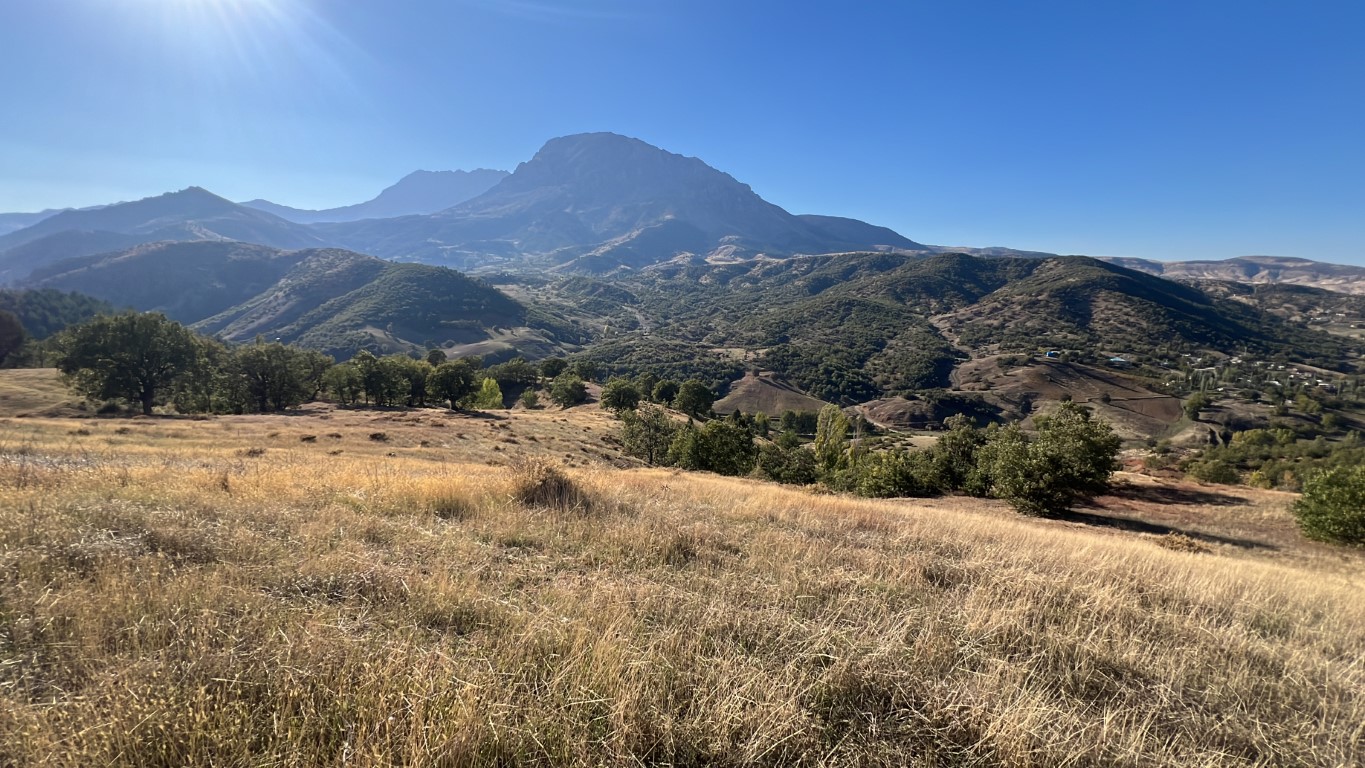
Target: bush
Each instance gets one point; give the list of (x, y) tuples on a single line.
[(1214, 471), (718, 447), (538, 483), (790, 464), (891, 474), (1071, 459), (568, 390), (1332, 507)]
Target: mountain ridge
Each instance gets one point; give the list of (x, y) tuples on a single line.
[(615, 200), (419, 192)]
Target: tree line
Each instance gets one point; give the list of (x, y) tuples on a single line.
[(147, 360)]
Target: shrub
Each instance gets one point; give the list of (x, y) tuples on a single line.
[(568, 390), (539, 483), (790, 464), (1214, 471), (1332, 507), (1071, 459), (892, 474)]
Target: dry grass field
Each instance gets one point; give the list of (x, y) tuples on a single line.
[(464, 591)]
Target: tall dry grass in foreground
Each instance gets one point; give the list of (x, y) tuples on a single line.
[(170, 608)]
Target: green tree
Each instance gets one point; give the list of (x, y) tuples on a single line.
[(489, 396), (694, 398), (664, 392), (275, 377), (568, 390), (584, 369), (436, 356), (1072, 458), (530, 399), (12, 334), (514, 375), (134, 356), (452, 381), (414, 374), (647, 434), (620, 395), (551, 367), (1332, 507), (831, 435), (954, 453), (791, 464), (344, 382), (208, 386), (379, 381), (1196, 403), (727, 449)]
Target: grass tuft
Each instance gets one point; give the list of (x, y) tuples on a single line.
[(537, 482)]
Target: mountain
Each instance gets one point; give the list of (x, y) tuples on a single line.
[(324, 298), (600, 202), (855, 327), (10, 222), (190, 214), (419, 192), (1257, 269)]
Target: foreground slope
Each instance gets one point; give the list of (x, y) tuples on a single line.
[(224, 592)]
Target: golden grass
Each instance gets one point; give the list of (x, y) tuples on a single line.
[(169, 598)]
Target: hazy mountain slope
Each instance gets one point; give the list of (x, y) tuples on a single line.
[(616, 201), (190, 214), (1257, 269), (318, 277), (187, 281), (18, 262), (10, 222), (45, 312), (420, 192), (327, 299), (429, 306)]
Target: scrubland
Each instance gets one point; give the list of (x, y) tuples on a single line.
[(294, 591)]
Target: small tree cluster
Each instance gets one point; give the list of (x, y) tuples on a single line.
[(721, 446), (149, 360), (1071, 457)]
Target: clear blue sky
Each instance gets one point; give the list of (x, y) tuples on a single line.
[(1179, 129)]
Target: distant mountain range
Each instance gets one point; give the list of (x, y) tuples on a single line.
[(188, 215), (419, 192), (600, 202), (10, 222), (1257, 270), (595, 203)]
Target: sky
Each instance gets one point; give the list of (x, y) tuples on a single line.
[(1168, 130)]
